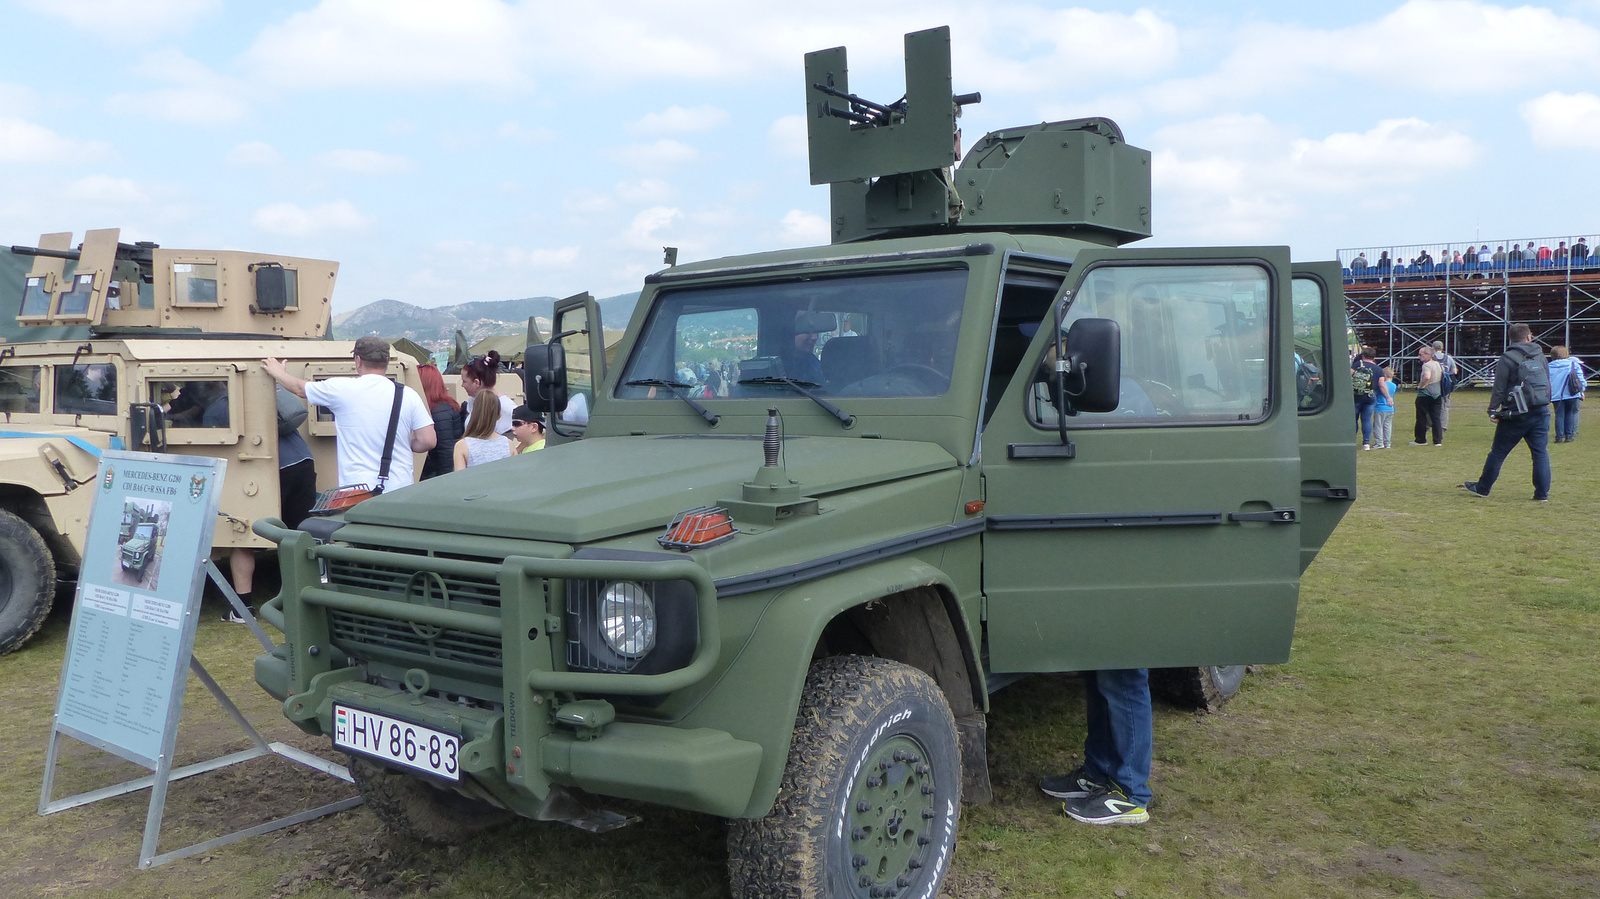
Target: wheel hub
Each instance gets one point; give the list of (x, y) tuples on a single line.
[(889, 812)]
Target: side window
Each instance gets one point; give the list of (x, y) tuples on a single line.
[(35, 298), (1025, 300), (580, 368), (19, 388), (1194, 344), (86, 389), (194, 283), (1310, 347), (75, 302), (201, 403)]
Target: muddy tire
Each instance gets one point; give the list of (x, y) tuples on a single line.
[(1202, 689), (415, 809), (27, 582), (871, 796)]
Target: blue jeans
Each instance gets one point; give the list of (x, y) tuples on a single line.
[(1364, 415), (1566, 418), (1535, 429), (1121, 730)]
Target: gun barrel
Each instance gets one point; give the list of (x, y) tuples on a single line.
[(968, 99), (865, 104), (39, 251)]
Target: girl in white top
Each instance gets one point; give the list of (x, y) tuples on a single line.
[(479, 376), (481, 444)]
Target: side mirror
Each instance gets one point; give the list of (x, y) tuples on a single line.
[(1089, 376), (544, 377), (272, 288), (147, 421)]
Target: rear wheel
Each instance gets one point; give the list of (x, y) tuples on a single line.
[(871, 796), (1204, 689), (27, 582), (416, 809)]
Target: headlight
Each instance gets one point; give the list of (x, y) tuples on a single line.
[(628, 619)]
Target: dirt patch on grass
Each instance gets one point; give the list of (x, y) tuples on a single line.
[(1428, 872), (374, 865)]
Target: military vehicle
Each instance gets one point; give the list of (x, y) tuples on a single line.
[(975, 437), (136, 551), (143, 342)]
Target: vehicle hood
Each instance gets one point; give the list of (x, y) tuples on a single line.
[(136, 545), (609, 486)]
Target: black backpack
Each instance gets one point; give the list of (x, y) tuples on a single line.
[(1533, 377), (1361, 382)]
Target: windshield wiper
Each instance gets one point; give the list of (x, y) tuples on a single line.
[(800, 387), (674, 386)]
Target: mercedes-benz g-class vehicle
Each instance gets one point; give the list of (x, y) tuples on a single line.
[(135, 552), (155, 349), (827, 497)]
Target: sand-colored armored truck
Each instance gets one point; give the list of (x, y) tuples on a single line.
[(158, 336), (826, 499)]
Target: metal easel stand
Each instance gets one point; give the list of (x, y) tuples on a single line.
[(166, 774)]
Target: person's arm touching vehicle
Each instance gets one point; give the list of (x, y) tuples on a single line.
[(279, 373)]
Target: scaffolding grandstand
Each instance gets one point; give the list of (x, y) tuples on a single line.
[(1468, 293)]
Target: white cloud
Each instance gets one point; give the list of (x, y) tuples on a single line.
[(801, 228), (124, 20), (106, 189), (22, 141), (1564, 120), (516, 131), (365, 162), (197, 95), (1397, 151), (255, 154), (644, 190), (393, 44), (678, 120), (587, 202), (661, 154), (641, 232), (293, 221), (787, 136)]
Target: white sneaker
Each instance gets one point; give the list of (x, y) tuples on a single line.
[(1366, 446)]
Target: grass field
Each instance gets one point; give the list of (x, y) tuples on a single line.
[(1436, 733)]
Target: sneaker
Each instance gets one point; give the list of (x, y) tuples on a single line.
[(1366, 446), (1075, 785), (1414, 443), (1472, 488), (1541, 499), (233, 617), (1106, 805)]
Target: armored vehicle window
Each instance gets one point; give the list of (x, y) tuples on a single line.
[(889, 334), (1025, 300), (35, 299), (75, 302), (193, 404), (195, 283), (86, 389), (19, 388), (1310, 348), (1194, 344)]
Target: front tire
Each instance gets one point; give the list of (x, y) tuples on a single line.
[(416, 809), (871, 796), (27, 582), (1203, 689)]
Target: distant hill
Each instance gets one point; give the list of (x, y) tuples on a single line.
[(436, 327)]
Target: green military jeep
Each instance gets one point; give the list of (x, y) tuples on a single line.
[(826, 498)]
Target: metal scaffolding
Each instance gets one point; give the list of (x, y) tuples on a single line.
[(1400, 298)]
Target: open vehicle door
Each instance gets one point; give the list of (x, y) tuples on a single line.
[(576, 325), (1326, 404)]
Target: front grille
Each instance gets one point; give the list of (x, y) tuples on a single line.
[(369, 636), (483, 592)]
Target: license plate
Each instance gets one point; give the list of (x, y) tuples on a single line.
[(401, 742)]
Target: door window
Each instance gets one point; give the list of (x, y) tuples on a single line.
[(86, 389), (580, 365), (1310, 347), (198, 403), (1194, 344), (19, 388)]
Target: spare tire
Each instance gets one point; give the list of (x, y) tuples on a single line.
[(27, 582)]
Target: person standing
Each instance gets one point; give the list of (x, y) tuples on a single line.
[(446, 412), (478, 376), (1383, 411), (481, 443), (1428, 387), (527, 430), (1568, 381), (363, 408), (1112, 786), (1364, 377), (1521, 391), (1449, 372)]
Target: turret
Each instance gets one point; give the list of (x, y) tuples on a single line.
[(115, 287)]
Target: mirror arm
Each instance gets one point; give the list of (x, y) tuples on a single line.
[(1061, 379)]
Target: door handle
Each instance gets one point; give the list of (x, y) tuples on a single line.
[(1276, 516)]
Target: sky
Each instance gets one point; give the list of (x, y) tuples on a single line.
[(444, 152)]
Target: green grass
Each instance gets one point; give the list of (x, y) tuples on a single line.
[(1436, 733)]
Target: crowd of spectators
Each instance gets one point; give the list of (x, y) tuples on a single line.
[(1522, 259)]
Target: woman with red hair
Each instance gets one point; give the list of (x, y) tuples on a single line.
[(446, 422)]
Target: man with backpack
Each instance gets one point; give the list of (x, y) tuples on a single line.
[(1519, 407), (1447, 382), (1364, 377)]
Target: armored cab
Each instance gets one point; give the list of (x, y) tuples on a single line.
[(826, 499), (153, 349)]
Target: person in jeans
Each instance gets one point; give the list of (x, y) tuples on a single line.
[(1365, 375), (1112, 786), (1563, 401), (1383, 411), (1428, 389), (1532, 426)]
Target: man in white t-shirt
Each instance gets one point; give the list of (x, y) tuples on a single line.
[(361, 407)]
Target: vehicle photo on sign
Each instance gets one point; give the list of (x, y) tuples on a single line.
[(140, 540)]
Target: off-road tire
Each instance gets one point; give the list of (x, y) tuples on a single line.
[(849, 817), (1203, 689), (27, 582), (414, 808)]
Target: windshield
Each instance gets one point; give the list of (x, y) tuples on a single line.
[(145, 531), (891, 334)]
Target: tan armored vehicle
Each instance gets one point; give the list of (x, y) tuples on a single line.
[(164, 357)]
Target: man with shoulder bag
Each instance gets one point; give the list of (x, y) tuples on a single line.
[(1519, 408)]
